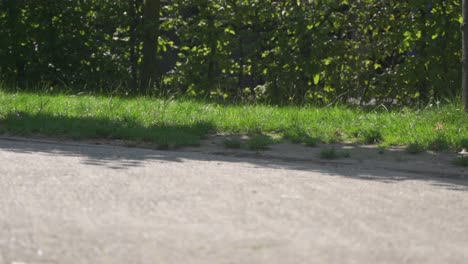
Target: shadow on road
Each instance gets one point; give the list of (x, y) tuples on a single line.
[(122, 158)]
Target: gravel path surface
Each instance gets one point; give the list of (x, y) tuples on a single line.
[(78, 203)]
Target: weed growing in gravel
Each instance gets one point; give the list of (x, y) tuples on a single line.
[(328, 153), (232, 143), (260, 142), (372, 136), (415, 148), (346, 154), (440, 143), (298, 136), (311, 141), (461, 161), (294, 135), (401, 159), (332, 153)]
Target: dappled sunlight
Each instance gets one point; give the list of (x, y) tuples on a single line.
[(364, 162)]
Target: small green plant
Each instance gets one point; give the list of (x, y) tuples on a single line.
[(328, 153), (232, 143), (311, 141), (440, 143), (372, 136), (297, 136), (461, 161), (260, 142), (346, 154), (401, 159), (294, 136), (332, 139), (415, 148)]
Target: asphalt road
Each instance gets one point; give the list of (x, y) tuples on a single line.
[(74, 203)]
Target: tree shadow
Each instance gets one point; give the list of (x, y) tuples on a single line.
[(365, 163), (123, 158), (162, 135), (110, 139)]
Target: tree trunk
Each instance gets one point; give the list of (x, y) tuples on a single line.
[(133, 43), (464, 29), (149, 72), (13, 16)]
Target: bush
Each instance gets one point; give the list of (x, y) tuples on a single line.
[(296, 52)]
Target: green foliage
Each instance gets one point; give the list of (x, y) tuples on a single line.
[(260, 142), (297, 134), (371, 136), (464, 143), (332, 153), (328, 153), (439, 143), (251, 50), (415, 148), (64, 42), (179, 122), (311, 141)]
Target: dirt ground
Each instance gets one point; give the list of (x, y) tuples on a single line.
[(69, 202), (429, 163), (438, 164)]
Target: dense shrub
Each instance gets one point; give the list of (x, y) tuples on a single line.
[(255, 50)]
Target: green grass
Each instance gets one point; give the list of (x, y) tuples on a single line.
[(463, 143), (371, 136), (260, 142), (301, 135), (185, 122), (439, 143), (415, 148)]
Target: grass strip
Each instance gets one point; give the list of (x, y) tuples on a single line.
[(186, 122)]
